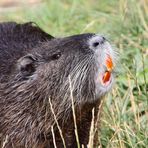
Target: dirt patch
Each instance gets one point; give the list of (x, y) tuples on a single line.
[(16, 3)]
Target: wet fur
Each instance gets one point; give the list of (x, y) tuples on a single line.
[(25, 113)]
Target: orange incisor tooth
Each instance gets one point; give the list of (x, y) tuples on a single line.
[(109, 63), (106, 77)]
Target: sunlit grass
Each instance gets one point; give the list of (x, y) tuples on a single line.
[(124, 121)]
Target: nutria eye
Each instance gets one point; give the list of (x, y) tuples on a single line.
[(56, 56)]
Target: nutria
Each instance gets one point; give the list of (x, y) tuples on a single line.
[(39, 76)]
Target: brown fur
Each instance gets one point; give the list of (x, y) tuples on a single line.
[(35, 67)]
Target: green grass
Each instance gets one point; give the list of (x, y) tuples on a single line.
[(124, 121)]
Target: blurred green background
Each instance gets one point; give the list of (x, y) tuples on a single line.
[(124, 121)]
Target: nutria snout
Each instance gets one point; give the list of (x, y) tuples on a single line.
[(36, 67)]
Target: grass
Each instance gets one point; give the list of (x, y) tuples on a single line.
[(124, 121)]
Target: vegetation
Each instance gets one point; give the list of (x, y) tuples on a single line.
[(124, 121)]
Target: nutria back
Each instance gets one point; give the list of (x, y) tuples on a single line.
[(40, 77)]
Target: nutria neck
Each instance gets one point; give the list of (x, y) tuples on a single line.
[(35, 106)]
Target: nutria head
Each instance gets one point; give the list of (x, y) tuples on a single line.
[(82, 58)]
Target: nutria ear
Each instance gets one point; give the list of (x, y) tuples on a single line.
[(26, 64)]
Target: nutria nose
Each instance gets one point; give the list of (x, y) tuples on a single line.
[(100, 40), (97, 41)]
